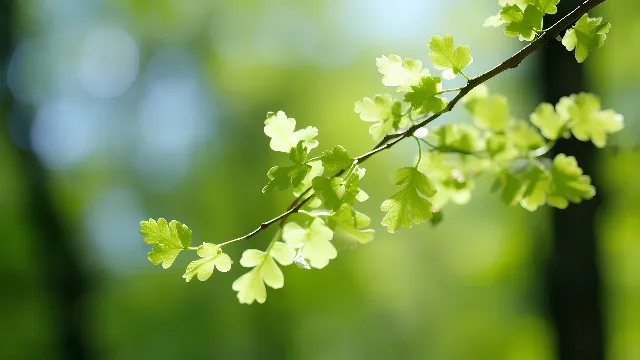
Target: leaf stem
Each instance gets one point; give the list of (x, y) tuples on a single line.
[(419, 150), (450, 90), (428, 143), (543, 150), (312, 159), (465, 76)]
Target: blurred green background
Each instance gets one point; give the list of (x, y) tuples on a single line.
[(116, 111)]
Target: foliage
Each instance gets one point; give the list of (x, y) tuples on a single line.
[(497, 144)]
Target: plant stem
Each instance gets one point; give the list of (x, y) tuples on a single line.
[(428, 143), (419, 151), (543, 150), (449, 90)]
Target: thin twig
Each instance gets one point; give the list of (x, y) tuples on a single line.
[(266, 224), (390, 140)]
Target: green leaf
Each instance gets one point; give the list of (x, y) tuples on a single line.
[(448, 172), (314, 242), (348, 223), (337, 191), (399, 72), (548, 121), (545, 6), (489, 111), (568, 183), (512, 181), (523, 137), (282, 178), (316, 170), (335, 160), (522, 24), (586, 35), (383, 110), (168, 240), (536, 186), (327, 189), (529, 183), (211, 257), (280, 129), (298, 154), (460, 137), (511, 187), (548, 6), (409, 205), (493, 21), (521, 3), (250, 286), (587, 119), (423, 95), (448, 58)]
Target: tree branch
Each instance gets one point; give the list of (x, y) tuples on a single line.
[(390, 140)]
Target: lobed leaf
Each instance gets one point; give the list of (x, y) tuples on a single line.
[(384, 111), (447, 57), (168, 240), (335, 160), (400, 72), (587, 119), (586, 35), (211, 257), (251, 286), (280, 129), (410, 204), (524, 24), (314, 242), (423, 95)]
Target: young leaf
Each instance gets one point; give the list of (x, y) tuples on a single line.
[(281, 177), (327, 189), (423, 95), (347, 224), (588, 120), (383, 110), (548, 6), (489, 112), (409, 205), (211, 257), (448, 58), (314, 242), (280, 129), (335, 160), (298, 154), (336, 191), (462, 138), (450, 177), (548, 121), (316, 170), (521, 3), (399, 72), (250, 286), (522, 24), (586, 35), (523, 137), (568, 183), (168, 240), (536, 181)]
